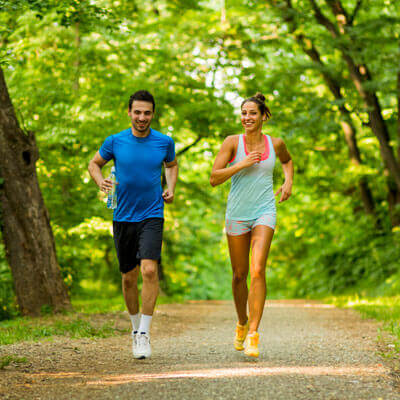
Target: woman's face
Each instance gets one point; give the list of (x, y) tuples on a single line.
[(251, 117)]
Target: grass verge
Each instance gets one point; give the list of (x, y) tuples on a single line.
[(7, 360), (33, 329), (385, 309), (80, 323)]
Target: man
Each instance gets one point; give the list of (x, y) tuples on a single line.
[(138, 153)]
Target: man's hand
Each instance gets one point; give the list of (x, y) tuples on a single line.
[(106, 185), (168, 196), (285, 190)]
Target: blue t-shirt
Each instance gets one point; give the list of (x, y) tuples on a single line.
[(138, 163)]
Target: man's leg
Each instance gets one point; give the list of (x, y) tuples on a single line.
[(149, 270), (149, 254), (130, 290)]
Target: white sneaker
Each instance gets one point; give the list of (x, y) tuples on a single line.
[(143, 348), (134, 342)]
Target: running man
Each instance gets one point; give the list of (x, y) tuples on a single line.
[(251, 212), (139, 154)]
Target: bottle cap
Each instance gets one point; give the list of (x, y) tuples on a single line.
[(112, 169)]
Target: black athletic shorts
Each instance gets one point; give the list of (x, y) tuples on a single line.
[(137, 240)]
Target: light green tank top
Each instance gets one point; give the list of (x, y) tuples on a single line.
[(252, 194)]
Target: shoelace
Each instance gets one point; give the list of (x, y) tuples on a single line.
[(253, 340), (240, 330), (143, 340)]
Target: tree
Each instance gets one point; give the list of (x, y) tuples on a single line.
[(357, 79), (26, 229)]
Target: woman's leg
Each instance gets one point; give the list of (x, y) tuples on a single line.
[(239, 247), (261, 237)]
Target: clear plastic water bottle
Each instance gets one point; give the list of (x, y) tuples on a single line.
[(112, 194)]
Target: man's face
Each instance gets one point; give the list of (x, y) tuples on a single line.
[(141, 115)]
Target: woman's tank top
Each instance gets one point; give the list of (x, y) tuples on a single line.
[(252, 193)]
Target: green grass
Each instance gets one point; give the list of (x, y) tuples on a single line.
[(7, 360), (33, 329), (75, 324), (385, 309)]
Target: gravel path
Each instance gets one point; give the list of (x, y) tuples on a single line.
[(308, 351)]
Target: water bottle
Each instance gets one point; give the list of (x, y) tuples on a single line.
[(112, 194)]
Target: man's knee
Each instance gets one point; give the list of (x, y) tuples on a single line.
[(149, 270), (129, 279)]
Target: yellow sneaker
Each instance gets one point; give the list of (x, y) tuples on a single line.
[(240, 336), (251, 345)]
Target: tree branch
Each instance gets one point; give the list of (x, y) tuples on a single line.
[(185, 149), (398, 114), (360, 74), (355, 11), (340, 14), (323, 20)]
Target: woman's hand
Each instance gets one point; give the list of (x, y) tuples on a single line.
[(251, 159), (285, 190)]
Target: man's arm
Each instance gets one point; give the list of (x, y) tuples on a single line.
[(95, 166), (171, 175)]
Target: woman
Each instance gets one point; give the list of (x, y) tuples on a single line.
[(251, 212)]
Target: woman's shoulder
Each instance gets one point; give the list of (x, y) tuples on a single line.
[(231, 140), (277, 142)]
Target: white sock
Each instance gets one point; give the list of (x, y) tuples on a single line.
[(145, 322), (135, 319)]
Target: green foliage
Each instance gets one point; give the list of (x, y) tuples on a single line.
[(8, 308), (23, 329), (71, 66), (382, 308), (7, 360)]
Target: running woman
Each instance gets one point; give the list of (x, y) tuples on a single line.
[(249, 159)]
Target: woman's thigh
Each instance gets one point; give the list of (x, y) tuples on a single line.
[(261, 238), (239, 249)]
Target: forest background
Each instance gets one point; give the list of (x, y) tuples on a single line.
[(331, 74)]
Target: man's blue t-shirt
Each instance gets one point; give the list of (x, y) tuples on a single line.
[(138, 163)]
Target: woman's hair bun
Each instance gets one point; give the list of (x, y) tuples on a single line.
[(260, 96)]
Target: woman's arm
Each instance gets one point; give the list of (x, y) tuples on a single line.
[(287, 166), (219, 173)]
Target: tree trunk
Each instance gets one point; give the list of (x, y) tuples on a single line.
[(346, 121), (26, 229), (354, 154), (359, 75)]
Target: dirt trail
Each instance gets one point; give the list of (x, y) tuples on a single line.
[(308, 351)]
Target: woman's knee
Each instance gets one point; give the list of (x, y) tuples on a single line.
[(257, 271), (239, 276)]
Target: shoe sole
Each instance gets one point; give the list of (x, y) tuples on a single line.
[(141, 356), (255, 355), (238, 347)]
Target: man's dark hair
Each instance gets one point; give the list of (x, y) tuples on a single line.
[(142, 95)]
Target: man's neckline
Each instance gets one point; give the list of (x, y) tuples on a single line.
[(140, 137)]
